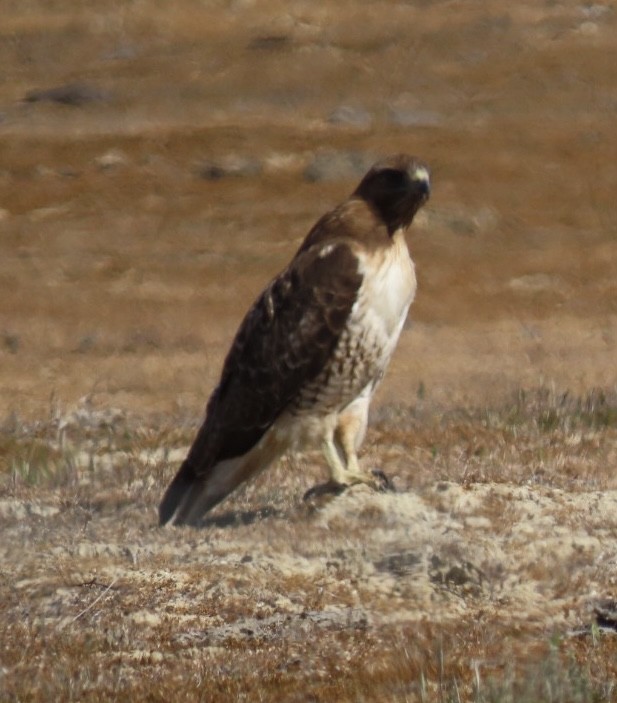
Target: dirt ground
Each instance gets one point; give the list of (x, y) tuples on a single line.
[(158, 164)]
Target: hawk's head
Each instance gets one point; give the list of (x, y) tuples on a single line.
[(396, 187)]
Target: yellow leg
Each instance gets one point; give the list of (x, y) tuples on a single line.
[(348, 436), (340, 453), (338, 472), (343, 462), (340, 448)]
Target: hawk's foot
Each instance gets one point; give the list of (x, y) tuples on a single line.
[(382, 482), (330, 487), (376, 479), (323, 492)]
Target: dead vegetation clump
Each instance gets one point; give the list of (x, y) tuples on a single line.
[(540, 436), (480, 580)]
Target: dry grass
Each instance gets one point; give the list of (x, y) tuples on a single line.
[(425, 595)]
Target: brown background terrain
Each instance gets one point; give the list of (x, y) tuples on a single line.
[(144, 206)]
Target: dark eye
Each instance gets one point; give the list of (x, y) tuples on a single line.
[(393, 178)]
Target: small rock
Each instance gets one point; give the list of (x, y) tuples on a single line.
[(595, 11), (231, 165), (536, 282), (270, 42), (283, 163), (111, 159), (68, 172), (588, 29), (42, 171), (407, 117), (44, 213), (338, 166), (11, 342), (353, 116), (461, 225), (485, 219), (74, 94), (86, 344)]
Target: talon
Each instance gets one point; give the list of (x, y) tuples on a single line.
[(322, 489), (383, 483)]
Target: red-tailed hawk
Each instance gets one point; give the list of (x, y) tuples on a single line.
[(311, 350)]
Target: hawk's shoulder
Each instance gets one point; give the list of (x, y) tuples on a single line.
[(353, 222)]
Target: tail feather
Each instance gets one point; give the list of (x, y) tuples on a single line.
[(178, 492), (190, 495)]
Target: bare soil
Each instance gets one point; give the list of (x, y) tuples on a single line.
[(158, 164)]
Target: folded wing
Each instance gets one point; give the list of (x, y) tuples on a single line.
[(283, 343)]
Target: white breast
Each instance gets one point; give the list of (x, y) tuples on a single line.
[(387, 292), (366, 344)]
